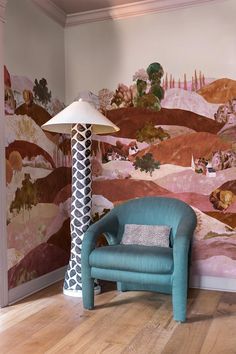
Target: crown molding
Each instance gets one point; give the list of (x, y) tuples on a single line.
[(53, 11), (138, 8), (3, 4)]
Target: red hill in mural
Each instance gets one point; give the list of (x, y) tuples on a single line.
[(62, 238), (230, 186), (129, 120), (126, 189), (219, 91), (226, 218), (34, 111), (28, 149), (49, 186), (179, 150), (36, 263), (63, 194)]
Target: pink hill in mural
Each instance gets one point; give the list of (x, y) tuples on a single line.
[(189, 181), (189, 101), (27, 149), (41, 260), (21, 83), (219, 91), (129, 120), (198, 201), (49, 186), (126, 189), (179, 150), (216, 248)]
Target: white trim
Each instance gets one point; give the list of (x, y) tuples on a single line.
[(2, 10), (213, 283), (138, 8), (31, 287), (53, 11), (3, 233), (35, 285)]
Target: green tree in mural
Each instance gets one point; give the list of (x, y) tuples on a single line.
[(146, 163), (155, 73), (152, 98), (41, 92), (25, 197), (149, 133)]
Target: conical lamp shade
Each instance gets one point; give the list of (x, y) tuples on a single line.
[(80, 112)]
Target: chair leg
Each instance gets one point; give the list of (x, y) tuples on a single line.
[(88, 294), (121, 286), (179, 301)]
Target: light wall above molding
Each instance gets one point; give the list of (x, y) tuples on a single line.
[(85, 12)]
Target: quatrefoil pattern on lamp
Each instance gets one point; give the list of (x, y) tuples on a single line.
[(81, 201)]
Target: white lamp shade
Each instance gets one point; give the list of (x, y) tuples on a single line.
[(80, 112)]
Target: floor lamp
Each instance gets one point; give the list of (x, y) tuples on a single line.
[(80, 119)]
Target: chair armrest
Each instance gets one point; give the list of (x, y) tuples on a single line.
[(107, 225), (181, 243)]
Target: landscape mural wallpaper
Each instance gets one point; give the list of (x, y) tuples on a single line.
[(177, 138), (38, 171)]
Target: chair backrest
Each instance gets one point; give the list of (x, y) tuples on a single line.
[(153, 211)]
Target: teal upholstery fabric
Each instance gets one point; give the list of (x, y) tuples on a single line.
[(134, 258), (136, 267)]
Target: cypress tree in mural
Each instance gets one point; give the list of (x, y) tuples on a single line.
[(155, 73)]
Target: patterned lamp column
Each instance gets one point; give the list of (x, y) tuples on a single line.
[(79, 119)]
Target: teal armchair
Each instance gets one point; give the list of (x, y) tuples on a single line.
[(137, 267)]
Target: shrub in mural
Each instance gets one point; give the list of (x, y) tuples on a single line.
[(146, 163), (149, 133), (41, 92), (146, 92), (25, 197), (184, 133)]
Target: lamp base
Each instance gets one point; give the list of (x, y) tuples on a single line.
[(72, 293), (78, 293)]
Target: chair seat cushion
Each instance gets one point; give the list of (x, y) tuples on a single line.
[(136, 258)]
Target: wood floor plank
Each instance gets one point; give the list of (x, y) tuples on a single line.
[(188, 337), (105, 317), (114, 338), (132, 322), (221, 337), (64, 315), (155, 333)]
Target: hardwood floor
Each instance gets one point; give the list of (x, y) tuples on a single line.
[(132, 322)]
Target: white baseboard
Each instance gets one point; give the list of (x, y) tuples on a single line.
[(32, 286), (213, 283)]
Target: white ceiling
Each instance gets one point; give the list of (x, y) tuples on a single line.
[(75, 6)]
